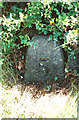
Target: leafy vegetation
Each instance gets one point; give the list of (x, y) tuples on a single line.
[(19, 22)]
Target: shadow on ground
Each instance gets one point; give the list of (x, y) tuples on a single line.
[(39, 89)]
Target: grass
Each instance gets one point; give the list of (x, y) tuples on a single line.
[(13, 104)]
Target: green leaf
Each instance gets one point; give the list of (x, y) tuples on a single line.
[(37, 26), (13, 8), (50, 37), (74, 57), (29, 24), (34, 46), (17, 45), (63, 16), (72, 53), (29, 43), (21, 37), (13, 45), (65, 76), (22, 57), (36, 43), (48, 87), (57, 11), (58, 34), (25, 9), (56, 78), (60, 37), (45, 32), (19, 10)]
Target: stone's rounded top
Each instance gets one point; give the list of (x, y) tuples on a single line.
[(43, 63), (41, 36), (41, 39)]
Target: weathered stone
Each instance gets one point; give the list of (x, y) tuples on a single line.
[(44, 62)]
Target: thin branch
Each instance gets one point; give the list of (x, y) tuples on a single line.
[(63, 45)]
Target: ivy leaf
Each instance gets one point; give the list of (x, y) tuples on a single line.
[(74, 57), (29, 43), (13, 45), (17, 45), (50, 37), (36, 43), (56, 78), (13, 8), (21, 37), (63, 16), (45, 32), (57, 11), (60, 37), (48, 87), (19, 10), (37, 26), (58, 34), (34, 46), (22, 57), (25, 9)]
